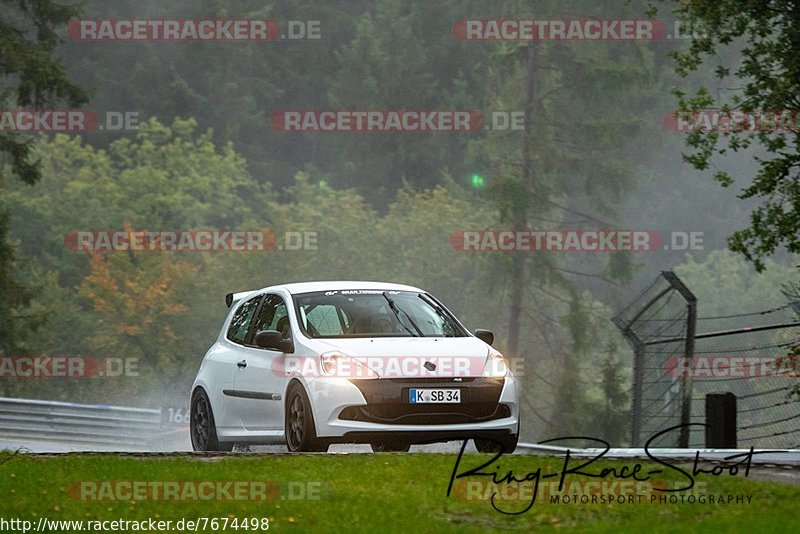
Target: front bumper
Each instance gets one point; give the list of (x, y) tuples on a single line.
[(359, 410)]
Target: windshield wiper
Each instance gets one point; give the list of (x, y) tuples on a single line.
[(446, 317), (396, 311)]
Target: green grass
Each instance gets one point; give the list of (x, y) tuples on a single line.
[(371, 493)]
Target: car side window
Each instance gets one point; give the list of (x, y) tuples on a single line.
[(240, 324), (273, 315)]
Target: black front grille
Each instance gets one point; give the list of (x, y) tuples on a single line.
[(388, 402), (400, 416)]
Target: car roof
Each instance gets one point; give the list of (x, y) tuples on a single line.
[(338, 285), (310, 287)]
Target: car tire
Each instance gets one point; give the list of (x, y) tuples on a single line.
[(390, 446), (301, 435), (202, 427), (508, 444)]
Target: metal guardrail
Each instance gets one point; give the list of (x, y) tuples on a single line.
[(74, 426), (82, 425), (782, 458), (545, 449)]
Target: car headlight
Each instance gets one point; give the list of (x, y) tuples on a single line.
[(343, 366), (495, 365)]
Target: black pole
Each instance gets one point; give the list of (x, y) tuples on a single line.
[(721, 421), (636, 404)]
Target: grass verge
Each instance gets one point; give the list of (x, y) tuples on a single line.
[(372, 492)]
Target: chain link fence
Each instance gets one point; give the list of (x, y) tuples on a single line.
[(680, 358), (660, 325)]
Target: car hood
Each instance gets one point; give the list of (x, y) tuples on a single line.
[(408, 356)]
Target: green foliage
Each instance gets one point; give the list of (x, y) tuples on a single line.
[(17, 320), (34, 78), (568, 168), (165, 308), (168, 177), (383, 206), (765, 35), (725, 283)]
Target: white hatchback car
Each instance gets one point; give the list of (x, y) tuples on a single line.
[(315, 363)]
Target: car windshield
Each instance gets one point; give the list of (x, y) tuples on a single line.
[(374, 313)]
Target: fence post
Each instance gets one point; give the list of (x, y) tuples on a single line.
[(636, 402), (686, 407), (688, 353)]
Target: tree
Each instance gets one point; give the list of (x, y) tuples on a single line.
[(31, 77), (17, 321), (404, 57), (567, 169), (136, 299), (167, 177), (766, 34), (725, 283)]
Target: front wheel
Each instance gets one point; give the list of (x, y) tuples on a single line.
[(202, 428), (301, 436)]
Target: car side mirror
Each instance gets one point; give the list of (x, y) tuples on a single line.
[(487, 336), (272, 339)]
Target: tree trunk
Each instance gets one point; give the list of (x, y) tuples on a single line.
[(521, 206)]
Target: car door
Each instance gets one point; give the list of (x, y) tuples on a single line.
[(222, 364), (259, 387)]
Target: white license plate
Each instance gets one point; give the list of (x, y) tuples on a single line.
[(434, 396)]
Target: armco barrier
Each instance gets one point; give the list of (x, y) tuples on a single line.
[(83, 425)]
